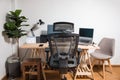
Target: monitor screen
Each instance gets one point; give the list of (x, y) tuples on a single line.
[(86, 32), (50, 29), (63, 26)]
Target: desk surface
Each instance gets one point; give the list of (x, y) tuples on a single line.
[(45, 45), (34, 45), (88, 47)]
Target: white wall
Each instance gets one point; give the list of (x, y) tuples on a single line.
[(5, 47), (102, 15)]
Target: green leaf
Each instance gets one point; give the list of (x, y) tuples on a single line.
[(25, 25), (12, 13), (23, 17), (17, 12), (10, 26)]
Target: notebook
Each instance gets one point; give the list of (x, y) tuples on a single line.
[(85, 36)]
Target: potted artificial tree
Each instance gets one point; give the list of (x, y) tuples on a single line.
[(13, 26)]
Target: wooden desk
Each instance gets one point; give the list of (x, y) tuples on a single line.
[(36, 49), (45, 45), (82, 68)]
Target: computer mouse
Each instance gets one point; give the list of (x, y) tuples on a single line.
[(41, 45)]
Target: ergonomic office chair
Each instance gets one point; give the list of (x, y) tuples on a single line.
[(63, 47), (105, 53)]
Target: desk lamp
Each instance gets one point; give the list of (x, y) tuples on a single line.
[(35, 27)]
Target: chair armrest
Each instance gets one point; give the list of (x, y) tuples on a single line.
[(47, 50), (79, 50)]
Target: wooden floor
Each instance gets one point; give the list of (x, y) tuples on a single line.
[(54, 75)]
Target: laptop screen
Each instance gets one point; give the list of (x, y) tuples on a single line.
[(86, 32), (86, 35)]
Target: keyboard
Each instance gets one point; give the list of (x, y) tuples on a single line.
[(84, 41)]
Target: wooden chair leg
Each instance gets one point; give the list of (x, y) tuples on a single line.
[(43, 73), (93, 63), (103, 70), (109, 65)]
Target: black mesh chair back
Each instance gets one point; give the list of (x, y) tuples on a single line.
[(63, 26), (63, 47)]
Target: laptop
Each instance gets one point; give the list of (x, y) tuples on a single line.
[(85, 36)]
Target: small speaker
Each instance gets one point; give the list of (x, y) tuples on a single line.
[(43, 38), (37, 39)]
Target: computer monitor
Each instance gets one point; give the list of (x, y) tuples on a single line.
[(86, 35), (50, 29), (63, 26)]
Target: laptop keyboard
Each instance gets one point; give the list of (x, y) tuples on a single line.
[(85, 41)]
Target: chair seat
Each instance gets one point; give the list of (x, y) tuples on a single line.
[(99, 55)]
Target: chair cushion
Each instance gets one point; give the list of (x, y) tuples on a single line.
[(99, 55)]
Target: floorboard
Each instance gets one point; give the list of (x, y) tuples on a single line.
[(54, 75)]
